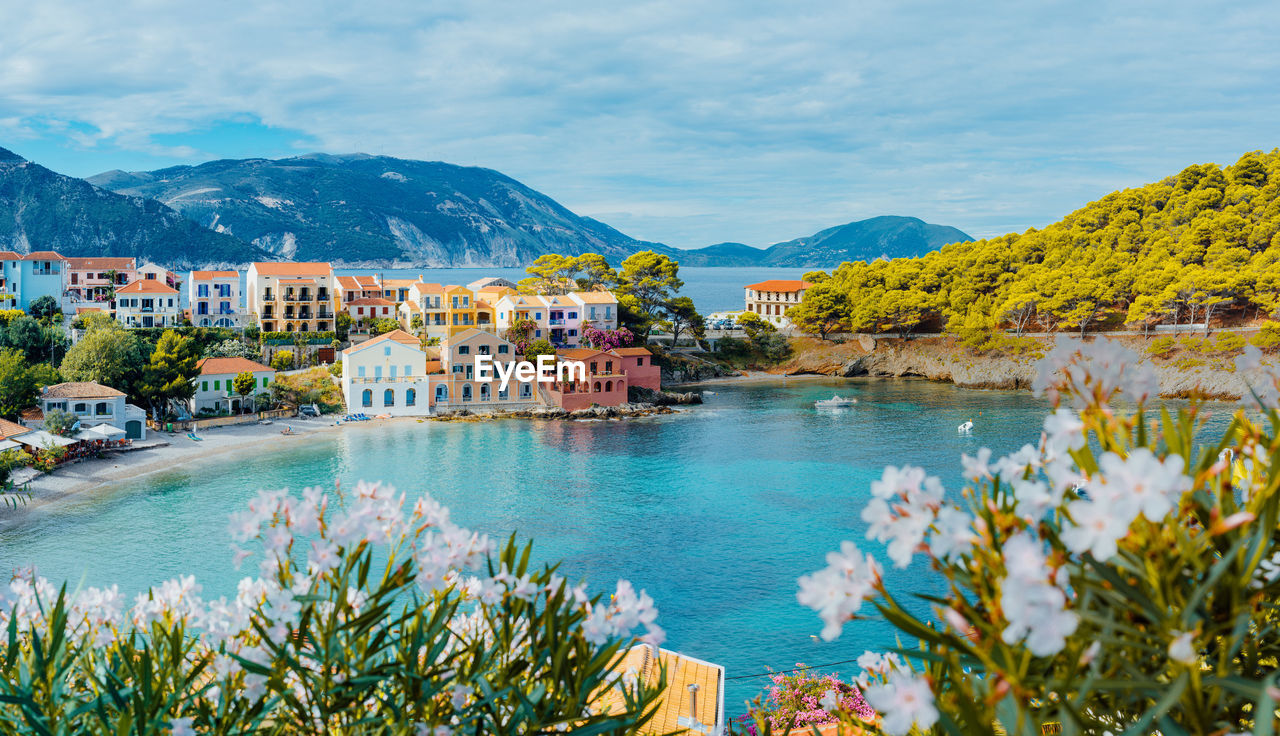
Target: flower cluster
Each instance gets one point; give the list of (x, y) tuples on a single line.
[(799, 700), (302, 627), (608, 339)]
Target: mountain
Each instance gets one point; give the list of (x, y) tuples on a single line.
[(864, 240), (361, 210), (44, 210)]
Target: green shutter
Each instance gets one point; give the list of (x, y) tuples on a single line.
[(204, 385), (264, 381), (217, 385)]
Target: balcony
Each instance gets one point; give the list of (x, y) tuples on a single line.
[(555, 322)]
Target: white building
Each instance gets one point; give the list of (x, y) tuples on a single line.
[(387, 375), (215, 386), (215, 300), (148, 303), (152, 272), (600, 308), (771, 299), (94, 404)]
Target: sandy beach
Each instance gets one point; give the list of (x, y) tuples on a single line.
[(80, 477)]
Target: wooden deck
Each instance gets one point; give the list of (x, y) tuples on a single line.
[(681, 672)]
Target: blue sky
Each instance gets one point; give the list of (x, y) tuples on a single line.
[(683, 122)]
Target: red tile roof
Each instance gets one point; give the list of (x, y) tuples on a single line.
[(106, 264), (282, 268), (147, 286), (783, 285), (80, 390), (371, 301), (206, 275), (631, 351), (223, 366), (8, 255), (43, 255), (11, 429)]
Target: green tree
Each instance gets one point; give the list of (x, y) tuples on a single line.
[(755, 325), (825, 309), (60, 422), (541, 346), (415, 322), (169, 376), (682, 316), (550, 273), (45, 309), (107, 354), (282, 360), (651, 280), (244, 383), (342, 325), (17, 384), (594, 272), (232, 348), (383, 326), (40, 343)]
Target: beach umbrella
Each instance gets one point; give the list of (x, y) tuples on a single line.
[(107, 430)]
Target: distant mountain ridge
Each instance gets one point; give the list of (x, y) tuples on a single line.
[(377, 211), (44, 210), (865, 240)]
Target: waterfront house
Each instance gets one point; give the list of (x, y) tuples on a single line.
[(148, 303), (369, 310), (93, 404), (429, 300), (692, 697), (599, 308), (605, 383), (9, 431), (350, 288), (771, 299), (96, 279), (31, 276), (215, 386), (491, 283), (291, 297), (152, 272), (387, 375), (638, 364), (460, 388), (215, 299)]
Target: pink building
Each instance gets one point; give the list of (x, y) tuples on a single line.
[(92, 279), (638, 364), (605, 385)]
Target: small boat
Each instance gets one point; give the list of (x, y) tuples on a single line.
[(965, 428), (835, 402)]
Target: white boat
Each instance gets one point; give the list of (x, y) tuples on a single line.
[(835, 402)]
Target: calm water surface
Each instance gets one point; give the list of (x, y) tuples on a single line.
[(715, 512)]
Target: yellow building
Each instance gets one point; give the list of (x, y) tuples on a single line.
[(292, 297)]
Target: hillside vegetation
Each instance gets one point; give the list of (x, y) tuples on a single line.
[(1196, 248)]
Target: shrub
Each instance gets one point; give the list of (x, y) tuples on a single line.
[(364, 619), (1229, 343), (1162, 347), (335, 368), (1268, 338), (799, 700), (1119, 576), (282, 360), (59, 422)]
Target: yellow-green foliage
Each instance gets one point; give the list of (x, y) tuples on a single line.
[(1268, 338), (1162, 347), (316, 386), (1185, 249)]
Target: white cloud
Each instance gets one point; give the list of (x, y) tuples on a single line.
[(689, 123)]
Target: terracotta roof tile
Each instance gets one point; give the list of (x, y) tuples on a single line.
[(206, 275), (43, 255), (223, 366), (80, 390), (783, 285), (11, 429), (283, 268), (147, 286), (107, 264)]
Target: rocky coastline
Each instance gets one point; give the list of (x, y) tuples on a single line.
[(945, 359)]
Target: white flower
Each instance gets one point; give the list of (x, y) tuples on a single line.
[(837, 591), (1094, 528), (458, 698), (977, 468), (1140, 483), (903, 701), (1181, 649), (323, 557), (953, 533), (1063, 431), (901, 510), (830, 701), (1262, 379), (1101, 367), (1032, 604)]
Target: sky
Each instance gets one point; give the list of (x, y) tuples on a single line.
[(682, 122)]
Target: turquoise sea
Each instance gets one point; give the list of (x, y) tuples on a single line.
[(714, 511)]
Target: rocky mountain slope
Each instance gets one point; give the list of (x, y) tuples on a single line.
[(360, 210), (44, 210)]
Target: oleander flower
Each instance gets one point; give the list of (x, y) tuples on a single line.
[(837, 591), (903, 701)]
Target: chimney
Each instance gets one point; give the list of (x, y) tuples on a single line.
[(693, 702)]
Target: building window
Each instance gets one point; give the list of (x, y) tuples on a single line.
[(466, 392), (464, 349), (526, 390), (608, 386), (411, 398), (442, 392), (503, 395), (389, 398), (377, 371), (360, 372), (264, 381), (217, 385), (639, 361), (597, 387), (82, 408), (366, 399), (408, 369), (204, 385), (102, 408), (485, 392)]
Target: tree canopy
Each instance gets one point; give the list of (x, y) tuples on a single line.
[(1188, 249)]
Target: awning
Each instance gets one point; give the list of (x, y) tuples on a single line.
[(8, 445), (106, 430), (41, 439)]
